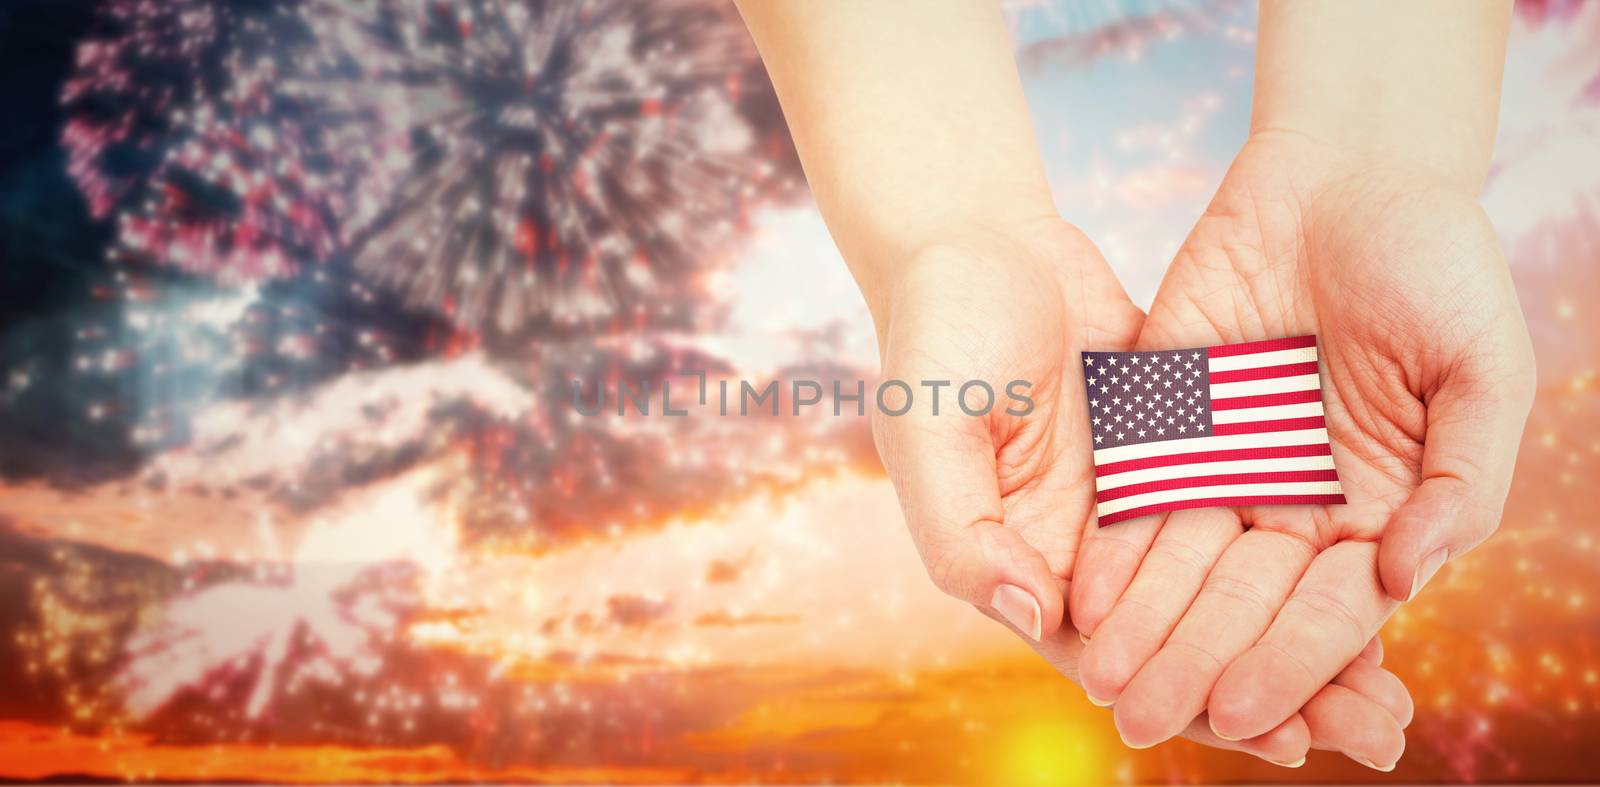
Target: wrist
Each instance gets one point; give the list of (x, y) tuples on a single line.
[(1316, 157), (1413, 85), (1021, 237), (1042, 262), (1458, 166)]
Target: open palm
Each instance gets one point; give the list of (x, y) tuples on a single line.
[(1427, 379), (997, 503)]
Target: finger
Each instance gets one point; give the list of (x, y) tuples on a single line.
[(1381, 686), (1286, 745), (1335, 609), (1062, 649), (1236, 604), (944, 471), (1475, 423), (1347, 717), (1373, 652), (1342, 720), (1168, 579), (1107, 562)]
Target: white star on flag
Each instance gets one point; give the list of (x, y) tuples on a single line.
[(1252, 431)]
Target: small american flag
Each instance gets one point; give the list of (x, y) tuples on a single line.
[(1234, 425)]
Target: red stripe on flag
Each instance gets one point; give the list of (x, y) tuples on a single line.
[(1228, 455), (1267, 400), (1249, 500), (1277, 477), (1267, 346), (1281, 425), (1264, 372)]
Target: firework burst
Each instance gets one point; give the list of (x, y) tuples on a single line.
[(559, 163), (175, 131), (509, 165)]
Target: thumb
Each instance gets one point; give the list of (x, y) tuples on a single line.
[(944, 472), (1475, 424)]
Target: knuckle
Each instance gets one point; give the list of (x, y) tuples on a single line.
[(1137, 614), (1334, 614), (1181, 555), (940, 563), (1295, 660), (1214, 663), (1111, 549), (1239, 592), (1485, 525)]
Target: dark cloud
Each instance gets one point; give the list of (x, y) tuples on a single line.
[(631, 611), (65, 610), (567, 709), (109, 358)]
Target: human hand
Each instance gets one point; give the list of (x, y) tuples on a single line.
[(1360, 714), (1427, 379), (911, 122), (997, 503)]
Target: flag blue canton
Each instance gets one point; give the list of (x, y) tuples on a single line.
[(1229, 425), (1143, 397)]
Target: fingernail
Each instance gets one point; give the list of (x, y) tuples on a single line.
[(1375, 766), (1084, 637), (1097, 702), (1295, 764), (1020, 609), (1430, 565), (1218, 734)]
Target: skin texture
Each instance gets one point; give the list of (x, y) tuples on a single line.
[(1002, 500), (910, 122), (1350, 213), (1427, 381)]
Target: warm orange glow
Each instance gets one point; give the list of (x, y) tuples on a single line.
[(193, 622)]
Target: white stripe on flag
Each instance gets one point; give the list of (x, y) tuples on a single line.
[(1227, 490), (1119, 480), (1275, 413), (1120, 453), (1228, 363), (1272, 385)]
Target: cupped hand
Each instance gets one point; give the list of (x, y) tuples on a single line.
[(1248, 613), (997, 503), (1361, 714)]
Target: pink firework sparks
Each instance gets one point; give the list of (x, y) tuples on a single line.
[(462, 155)]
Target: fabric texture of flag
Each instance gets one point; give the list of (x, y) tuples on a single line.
[(1232, 425)]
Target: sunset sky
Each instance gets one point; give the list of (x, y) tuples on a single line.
[(391, 554)]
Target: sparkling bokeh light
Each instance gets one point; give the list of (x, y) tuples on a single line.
[(291, 488)]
